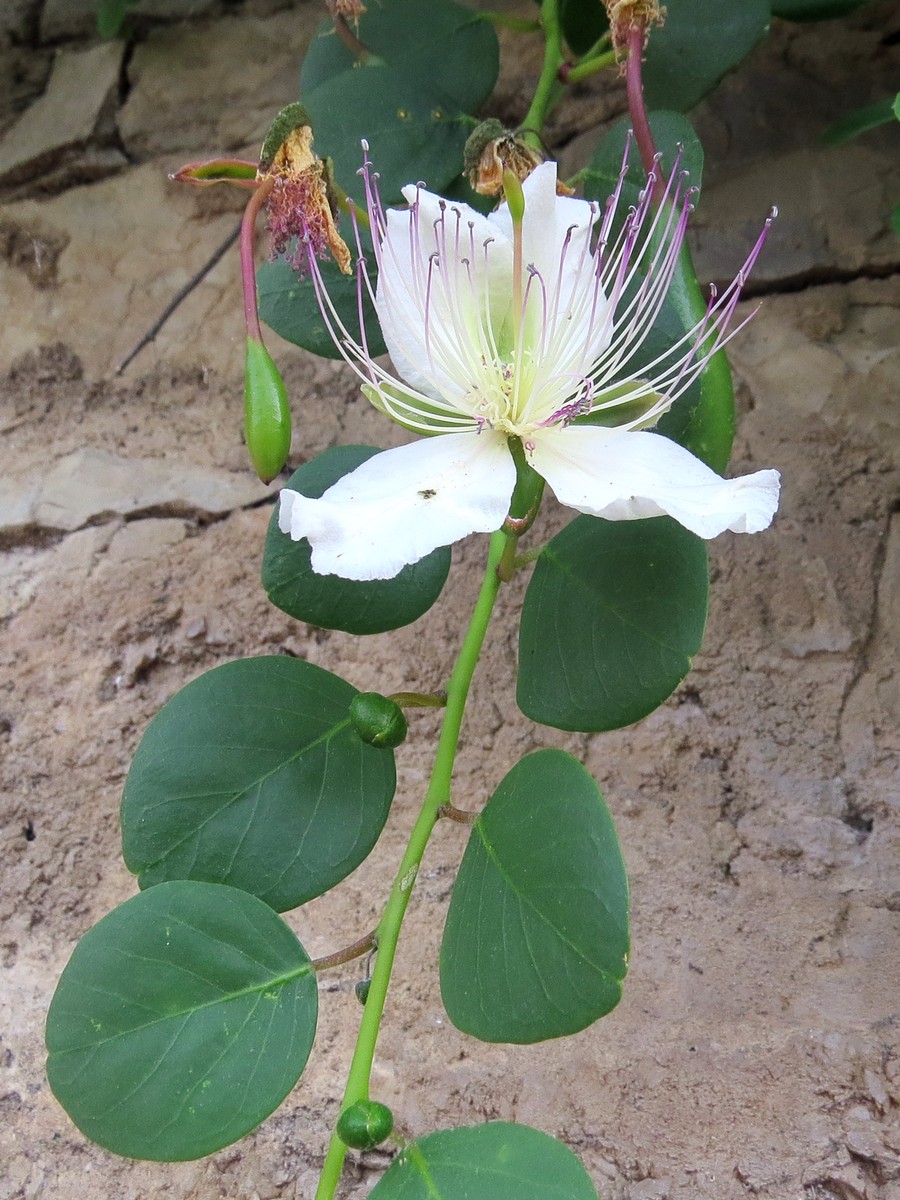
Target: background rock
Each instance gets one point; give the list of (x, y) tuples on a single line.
[(62, 121), (756, 1049)]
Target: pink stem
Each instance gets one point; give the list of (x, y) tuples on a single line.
[(638, 109), (248, 268)]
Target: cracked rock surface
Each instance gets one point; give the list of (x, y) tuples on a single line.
[(756, 1051)]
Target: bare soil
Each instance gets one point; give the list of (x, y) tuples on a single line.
[(757, 1048)]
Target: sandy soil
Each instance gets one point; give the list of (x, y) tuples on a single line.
[(757, 1048)]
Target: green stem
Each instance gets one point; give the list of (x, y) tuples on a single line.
[(548, 89), (438, 795), (590, 66)]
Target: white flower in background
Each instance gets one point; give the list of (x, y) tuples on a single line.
[(500, 329)]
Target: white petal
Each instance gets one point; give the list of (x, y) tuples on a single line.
[(623, 476), (567, 311), (402, 504), (546, 224), (450, 303)]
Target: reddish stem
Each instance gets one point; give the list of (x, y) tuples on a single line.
[(459, 815), (248, 268), (354, 950), (637, 107)]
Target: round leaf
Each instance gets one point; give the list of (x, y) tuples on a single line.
[(582, 22), (454, 52), (496, 1161), (860, 120), (536, 940), (673, 134), (699, 42), (253, 776), (413, 132), (182, 1020), (613, 615), (288, 304), (327, 600)]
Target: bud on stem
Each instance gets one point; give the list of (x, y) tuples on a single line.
[(267, 415)]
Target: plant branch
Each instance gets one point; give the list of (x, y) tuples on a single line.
[(587, 67), (248, 267), (438, 795), (419, 699), (459, 815), (638, 109), (355, 950), (548, 89)]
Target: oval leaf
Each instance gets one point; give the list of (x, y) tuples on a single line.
[(536, 940), (455, 52), (182, 1020), (496, 1161), (253, 776), (288, 304), (373, 606), (699, 42), (613, 615), (413, 133), (672, 132)]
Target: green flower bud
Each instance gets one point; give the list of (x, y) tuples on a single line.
[(378, 720), (267, 416), (362, 990), (365, 1124)]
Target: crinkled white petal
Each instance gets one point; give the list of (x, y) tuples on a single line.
[(432, 361), (546, 223), (624, 476), (566, 321), (402, 504)]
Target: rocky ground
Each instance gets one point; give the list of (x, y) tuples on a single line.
[(757, 1049)]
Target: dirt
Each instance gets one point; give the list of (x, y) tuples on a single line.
[(757, 1047)]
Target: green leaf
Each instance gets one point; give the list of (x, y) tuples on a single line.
[(700, 41), (671, 132), (861, 120), (613, 615), (288, 304), (583, 22), (327, 600), (814, 10), (702, 418), (453, 53), (536, 940), (496, 1161), (413, 132), (253, 776), (182, 1020)]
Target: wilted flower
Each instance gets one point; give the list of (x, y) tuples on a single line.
[(521, 326), (630, 21), (299, 205), (492, 149)]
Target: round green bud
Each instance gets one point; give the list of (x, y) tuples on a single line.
[(378, 720), (362, 990), (365, 1124)]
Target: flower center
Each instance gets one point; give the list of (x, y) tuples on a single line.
[(496, 397)]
